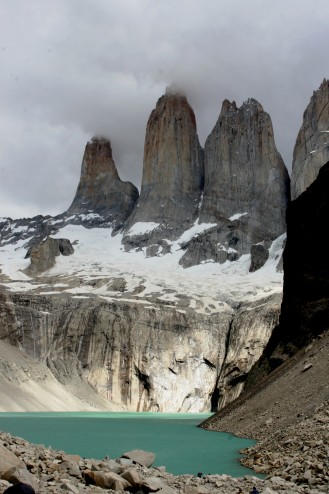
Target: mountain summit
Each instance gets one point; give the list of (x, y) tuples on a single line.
[(173, 166), (244, 172), (100, 189)]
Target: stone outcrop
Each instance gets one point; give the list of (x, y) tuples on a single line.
[(43, 255), (312, 145), (173, 168), (259, 255), (244, 173), (100, 190)]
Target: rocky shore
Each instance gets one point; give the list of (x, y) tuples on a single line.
[(297, 462)]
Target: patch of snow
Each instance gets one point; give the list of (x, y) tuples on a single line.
[(237, 216), (194, 231), (90, 216), (19, 229), (230, 250), (142, 227)]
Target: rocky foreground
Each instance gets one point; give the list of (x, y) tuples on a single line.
[(296, 461)]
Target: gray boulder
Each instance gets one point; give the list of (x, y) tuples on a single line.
[(311, 150), (145, 458), (8, 460), (259, 255)]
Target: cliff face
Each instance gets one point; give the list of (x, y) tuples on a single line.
[(305, 304), (246, 188), (140, 357), (100, 190), (312, 145), (173, 167), (244, 173)]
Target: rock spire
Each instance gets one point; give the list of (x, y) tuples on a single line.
[(173, 165), (244, 173), (312, 145), (100, 189)]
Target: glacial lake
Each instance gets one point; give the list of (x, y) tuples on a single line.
[(175, 438)]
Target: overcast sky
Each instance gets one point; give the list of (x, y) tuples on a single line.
[(70, 69)]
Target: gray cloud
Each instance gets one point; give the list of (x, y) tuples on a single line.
[(74, 68)]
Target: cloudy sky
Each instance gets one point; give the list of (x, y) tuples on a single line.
[(71, 69)]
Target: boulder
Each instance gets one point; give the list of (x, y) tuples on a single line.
[(259, 255), (153, 484), (18, 474), (106, 480), (133, 477), (8, 460), (145, 458)]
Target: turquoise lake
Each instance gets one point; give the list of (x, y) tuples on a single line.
[(175, 438)]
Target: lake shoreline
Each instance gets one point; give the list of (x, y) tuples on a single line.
[(55, 471)]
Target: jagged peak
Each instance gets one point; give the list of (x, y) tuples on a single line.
[(228, 106), (231, 106), (252, 102), (324, 86)]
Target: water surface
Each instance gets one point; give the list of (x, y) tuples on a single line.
[(175, 438)]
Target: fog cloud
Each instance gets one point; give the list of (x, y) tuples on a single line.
[(71, 69)]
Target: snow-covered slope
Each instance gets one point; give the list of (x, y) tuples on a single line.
[(100, 258)]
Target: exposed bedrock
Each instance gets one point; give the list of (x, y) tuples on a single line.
[(100, 189), (244, 172), (43, 255), (246, 189), (312, 145), (173, 168), (305, 304), (142, 357)]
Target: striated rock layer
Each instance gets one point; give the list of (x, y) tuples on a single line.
[(138, 356), (100, 189), (173, 167), (312, 145)]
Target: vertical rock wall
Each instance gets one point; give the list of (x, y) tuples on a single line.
[(312, 145)]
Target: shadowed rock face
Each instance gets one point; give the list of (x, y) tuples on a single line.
[(244, 172), (312, 145), (100, 189), (173, 166), (305, 304)]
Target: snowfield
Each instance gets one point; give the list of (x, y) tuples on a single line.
[(100, 258)]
